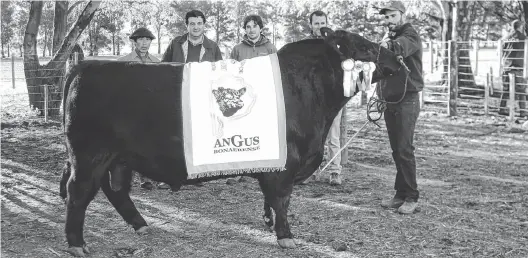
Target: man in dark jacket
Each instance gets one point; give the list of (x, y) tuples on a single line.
[(513, 63), (400, 91), (193, 46), (254, 43)]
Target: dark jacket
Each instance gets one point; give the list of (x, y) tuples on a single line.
[(406, 42), (514, 51), (247, 49), (175, 52)]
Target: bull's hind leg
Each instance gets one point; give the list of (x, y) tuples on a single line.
[(83, 184), (66, 172), (121, 200), (277, 193)]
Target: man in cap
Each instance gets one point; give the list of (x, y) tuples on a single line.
[(513, 59), (193, 46), (400, 91), (318, 19), (141, 39)]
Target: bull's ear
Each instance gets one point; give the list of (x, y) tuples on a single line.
[(242, 91), (325, 32)]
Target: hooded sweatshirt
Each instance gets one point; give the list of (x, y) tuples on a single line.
[(405, 42), (247, 49)]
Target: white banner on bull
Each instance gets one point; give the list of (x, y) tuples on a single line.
[(234, 118)]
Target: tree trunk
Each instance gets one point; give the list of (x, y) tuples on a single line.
[(113, 44), (60, 22), (159, 39), (31, 63), (50, 75), (3, 56), (524, 5), (45, 43), (8, 52)]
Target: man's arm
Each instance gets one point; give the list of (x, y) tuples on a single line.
[(407, 43), (218, 55)]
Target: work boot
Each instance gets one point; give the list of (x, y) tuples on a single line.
[(147, 185), (162, 185), (408, 207), (393, 203), (335, 179)]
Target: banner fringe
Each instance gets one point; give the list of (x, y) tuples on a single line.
[(234, 172)]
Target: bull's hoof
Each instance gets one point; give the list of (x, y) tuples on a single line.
[(286, 243), (79, 251), (142, 230), (268, 221)]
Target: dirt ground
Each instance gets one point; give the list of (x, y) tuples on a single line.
[(473, 179)]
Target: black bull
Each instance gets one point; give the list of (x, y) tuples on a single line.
[(130, 113)]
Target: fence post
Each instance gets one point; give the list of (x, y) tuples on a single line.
[(453, 72), (486, 94), (46, 103), (512, 95), (13, 70), (476, 49), (432, 55), (500, 52), (525, 70)]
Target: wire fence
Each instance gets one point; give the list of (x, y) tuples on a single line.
[(479, 93)]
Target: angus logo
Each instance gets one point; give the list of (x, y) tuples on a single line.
[(229, 100), (236, 143)]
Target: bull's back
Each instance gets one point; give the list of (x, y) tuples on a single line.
[(127, 105)]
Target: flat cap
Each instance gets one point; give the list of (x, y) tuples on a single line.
[(393, 6), (142, 33)]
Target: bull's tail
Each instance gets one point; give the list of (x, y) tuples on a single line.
[(72, 73)]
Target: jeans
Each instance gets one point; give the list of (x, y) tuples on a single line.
[(520, 89), (401, 120), (334, 144)]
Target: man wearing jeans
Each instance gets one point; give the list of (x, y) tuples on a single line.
[(400, 91), (318, 19)]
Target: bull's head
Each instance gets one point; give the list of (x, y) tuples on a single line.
[(352, 45), (229, 100)]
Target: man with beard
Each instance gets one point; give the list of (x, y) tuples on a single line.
[(400, 92), (253, 44), (193, 46)]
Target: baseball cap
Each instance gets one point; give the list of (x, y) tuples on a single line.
[(393, 6)]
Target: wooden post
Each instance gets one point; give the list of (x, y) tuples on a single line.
[(432, 55), (13, 70), (453, 75), (343, 134), (76, 58), (46, 103), (422, 100), (512, 96), (476, 49), (486, 94), (492, 87)]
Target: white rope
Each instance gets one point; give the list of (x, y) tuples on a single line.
[(346, 145)]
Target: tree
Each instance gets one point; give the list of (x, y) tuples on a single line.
[(49, 75), (6, 25)]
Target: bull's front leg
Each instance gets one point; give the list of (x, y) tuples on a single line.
[(277, 194)]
